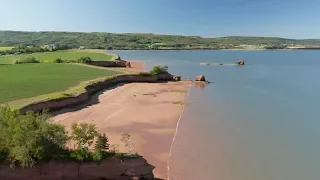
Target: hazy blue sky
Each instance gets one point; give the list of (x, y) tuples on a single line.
[(210, 18)]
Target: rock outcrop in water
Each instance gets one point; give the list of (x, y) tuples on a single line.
[(241, 62), (128, 64), (200, 78)]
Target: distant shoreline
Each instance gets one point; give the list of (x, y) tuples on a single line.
[(215, 49)]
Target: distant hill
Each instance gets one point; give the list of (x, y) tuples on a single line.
[(101, 40)]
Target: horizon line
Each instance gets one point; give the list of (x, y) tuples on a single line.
[(198, 36)]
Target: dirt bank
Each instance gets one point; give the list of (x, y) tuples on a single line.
[(111, 168), (147, 111), (90, 88)]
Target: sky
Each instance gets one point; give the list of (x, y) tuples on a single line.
[(298, 19)]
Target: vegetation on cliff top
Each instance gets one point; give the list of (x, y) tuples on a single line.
[(98, 40), (155, 71), (52, 56), (28, 139)]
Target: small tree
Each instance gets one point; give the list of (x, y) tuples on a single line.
[(85, 60), (100, 147), (126, 139), (102, 143), (159, 70), (58, 60), (83, 134)]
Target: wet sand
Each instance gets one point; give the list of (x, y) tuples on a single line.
[(147, 111), (136, 66)]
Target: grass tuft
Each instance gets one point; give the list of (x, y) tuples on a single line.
[(178, 102), (150, 94), (179, 91)]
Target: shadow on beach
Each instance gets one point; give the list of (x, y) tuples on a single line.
[(94, 99)]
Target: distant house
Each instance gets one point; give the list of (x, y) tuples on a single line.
[(52, 46), (81, 47)]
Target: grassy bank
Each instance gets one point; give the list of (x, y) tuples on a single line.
[(29, 80), (51, 56)]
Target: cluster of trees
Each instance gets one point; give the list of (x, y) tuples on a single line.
[(155, 71), (142, 41), (25, 60), (82, 59), (21, 49), (30, 138), (281, 46)]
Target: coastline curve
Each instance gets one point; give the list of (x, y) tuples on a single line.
[(175, 134)]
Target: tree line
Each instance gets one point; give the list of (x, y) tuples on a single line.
[(21, 49), (147, 41)]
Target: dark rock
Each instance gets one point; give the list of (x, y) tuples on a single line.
[(200, 78), (128, 64), (177, 78), (241, 62), (118, 57)]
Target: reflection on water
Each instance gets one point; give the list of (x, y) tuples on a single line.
[(257, 122), (200, 85)]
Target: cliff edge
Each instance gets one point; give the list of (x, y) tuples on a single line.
[(113, 168)]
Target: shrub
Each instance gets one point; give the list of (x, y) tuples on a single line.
[(81, 155), (144, 74), (26, 139), (159, 70), (25, 60), (70, 61), (84, 60), (83, 134), (58, 60), (30, 138)]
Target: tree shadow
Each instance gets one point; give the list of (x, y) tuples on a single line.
[(94, 99)]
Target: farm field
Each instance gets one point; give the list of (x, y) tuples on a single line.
[(51, 56), (29, 80), (3, 48)]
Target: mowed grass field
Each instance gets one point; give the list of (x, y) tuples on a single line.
[(51, 56), (5, 48), (29, 80)]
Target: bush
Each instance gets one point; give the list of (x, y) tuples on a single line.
[(26, 139), (159, 70), (70, 61), (58, 60), (31, 138), (84, 60), (25, 60), (145, 74)]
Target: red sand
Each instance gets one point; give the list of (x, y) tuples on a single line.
[(144, 110)]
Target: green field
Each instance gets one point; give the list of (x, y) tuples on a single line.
[(50, 56), (29, 80), (5, 48)]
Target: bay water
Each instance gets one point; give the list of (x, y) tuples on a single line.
[(260, 121)]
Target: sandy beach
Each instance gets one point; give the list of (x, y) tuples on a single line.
[(147, 111)]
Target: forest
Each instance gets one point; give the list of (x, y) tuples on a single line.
[(145, 41)]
